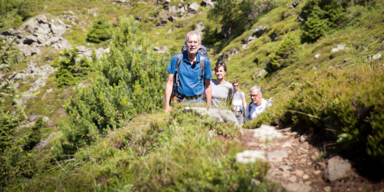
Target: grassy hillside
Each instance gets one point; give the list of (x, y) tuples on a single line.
[(112, 134)]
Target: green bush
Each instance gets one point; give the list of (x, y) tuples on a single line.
[(348, 102), (14, 162), (284, 54), (131, 82), (322, 16), (71, 72), (34, 136), (100, 31), (313, 29)]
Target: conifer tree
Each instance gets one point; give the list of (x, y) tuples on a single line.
[(100, 31), (34, 136), (313, 28), (283, 56), (70, 72)]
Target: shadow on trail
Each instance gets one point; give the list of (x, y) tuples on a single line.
[(363, 165)]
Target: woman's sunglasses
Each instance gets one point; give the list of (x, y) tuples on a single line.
[(222, 64)]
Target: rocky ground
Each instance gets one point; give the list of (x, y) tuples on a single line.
[(299, 166)]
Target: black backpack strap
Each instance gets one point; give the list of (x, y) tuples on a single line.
[(178, 62), (202, 67), (249, 109)]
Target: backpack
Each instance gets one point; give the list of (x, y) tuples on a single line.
[(203, 56)]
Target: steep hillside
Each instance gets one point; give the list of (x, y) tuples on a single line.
[(94, 71)]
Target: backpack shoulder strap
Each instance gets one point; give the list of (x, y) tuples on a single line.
[(202, 66), (178, 62), (249, 109)]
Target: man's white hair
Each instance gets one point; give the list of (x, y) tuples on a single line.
[(190, 33), (257, 88)]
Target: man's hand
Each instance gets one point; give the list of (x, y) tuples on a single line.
[(168, 92)]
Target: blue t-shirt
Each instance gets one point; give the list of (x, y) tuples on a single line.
[(190, 76)]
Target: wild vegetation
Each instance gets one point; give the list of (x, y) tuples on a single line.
[(113, 135)]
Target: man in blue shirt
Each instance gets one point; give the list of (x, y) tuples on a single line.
[(191, 86)]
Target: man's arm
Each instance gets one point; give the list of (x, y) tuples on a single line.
[(168, 91), (208, 91)]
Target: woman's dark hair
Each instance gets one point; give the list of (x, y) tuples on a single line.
[(220, 64)]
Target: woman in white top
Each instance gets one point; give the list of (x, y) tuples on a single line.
[(222, 91), (238, 102)]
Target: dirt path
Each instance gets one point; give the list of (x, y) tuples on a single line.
[(299, 166)]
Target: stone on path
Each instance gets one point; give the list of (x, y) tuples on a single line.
[(286, 144), (250, 156), (337, 169), (266, 132), (297, 187), (277, 156), (327, 189)]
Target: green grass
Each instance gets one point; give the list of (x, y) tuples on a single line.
[(158, 152)]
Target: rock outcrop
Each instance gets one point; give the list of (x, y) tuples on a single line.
[(39, 32)]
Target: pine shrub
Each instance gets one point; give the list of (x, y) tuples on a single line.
[(322, 16), (34, 136), (100, 31), (131, 81), (14, 162), (313, 29), (70, 71), (283, 56)]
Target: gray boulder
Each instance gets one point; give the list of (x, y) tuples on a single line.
[(207, 4), (199, 27), (261, 73), (29, 39), (172, 9), (338, 169), (27, 51), (10, 32), (338, 48), (294, 4), (260, 30), (58, 27), (193, 8), (251, 38), (172, 18)]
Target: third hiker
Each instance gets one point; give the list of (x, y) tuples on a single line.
[(238, 102)]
